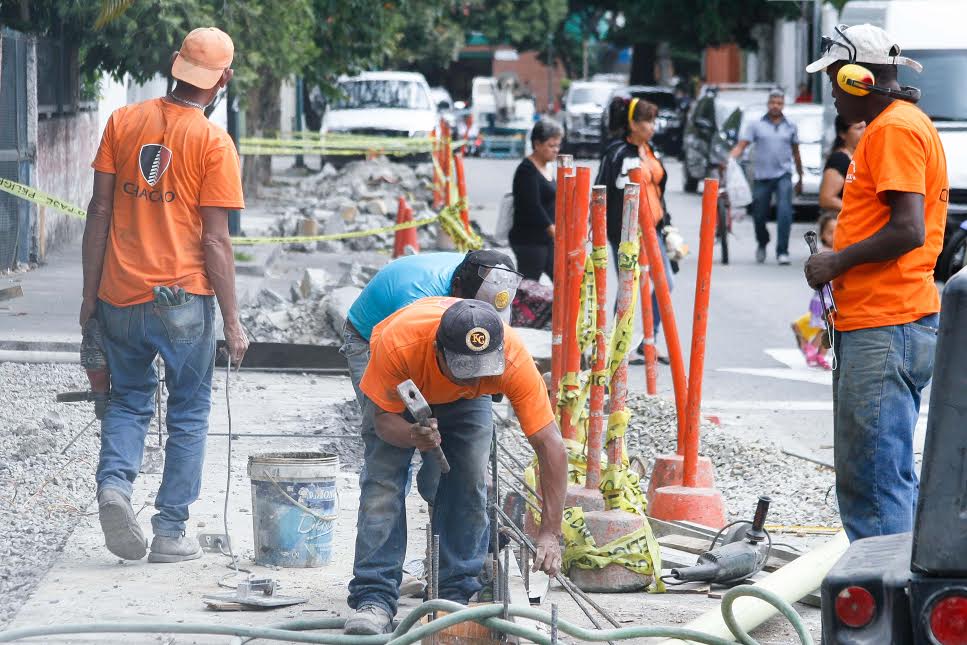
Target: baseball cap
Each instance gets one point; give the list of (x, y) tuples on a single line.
[(861, 44), (471, 336), (205, 53)]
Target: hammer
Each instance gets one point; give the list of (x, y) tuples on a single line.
[(420, 409)]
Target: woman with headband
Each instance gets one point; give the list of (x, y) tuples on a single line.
[(633, 128)]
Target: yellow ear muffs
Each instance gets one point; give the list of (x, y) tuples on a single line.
[(855, 79)]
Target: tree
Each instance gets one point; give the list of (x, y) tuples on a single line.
[(524, 25), (692, 24)]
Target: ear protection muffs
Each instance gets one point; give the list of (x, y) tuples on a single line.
[(859, 81)]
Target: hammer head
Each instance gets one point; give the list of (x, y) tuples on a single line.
[(413, 400)]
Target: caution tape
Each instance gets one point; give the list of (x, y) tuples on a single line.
[(41, 198), (449, 219), (340, 145), (637, 551)]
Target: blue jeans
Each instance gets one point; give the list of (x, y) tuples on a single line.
[(356, 350), (877, 385), (459, 509), (762, 202), (184, 337)]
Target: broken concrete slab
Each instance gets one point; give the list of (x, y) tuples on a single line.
[(314, 283), (338, 304)]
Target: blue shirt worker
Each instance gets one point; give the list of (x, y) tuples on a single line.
[(776, 141), (486, 275)]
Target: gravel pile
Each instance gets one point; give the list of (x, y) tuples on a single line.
[(744, 468), (42, 493)]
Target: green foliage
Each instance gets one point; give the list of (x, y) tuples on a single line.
[(695, 24), (524, 24)]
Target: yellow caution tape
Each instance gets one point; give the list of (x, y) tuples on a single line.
[(587, 308), (41, 198), (628, 255), (249, 241), (633, 551), (621, 336), (599, 257)]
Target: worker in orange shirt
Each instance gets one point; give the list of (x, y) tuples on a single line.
[(157, 255), (457, 352), (886, 244)]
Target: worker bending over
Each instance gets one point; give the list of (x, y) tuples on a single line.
[(456, 352)]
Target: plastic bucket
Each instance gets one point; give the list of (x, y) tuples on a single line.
[(294, 507)]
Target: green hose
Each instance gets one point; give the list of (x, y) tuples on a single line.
[(408, 631)]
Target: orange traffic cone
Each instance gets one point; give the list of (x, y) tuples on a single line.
[(405, 241)]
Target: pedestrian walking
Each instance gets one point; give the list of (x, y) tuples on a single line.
[(456, 352), (485, 275), (889, 235), (837, 165), (634, 121), (532, 232), (156, 254), (776, 140), (810, 329)]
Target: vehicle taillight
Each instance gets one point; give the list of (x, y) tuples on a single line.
[(855, 606), (948, 620)]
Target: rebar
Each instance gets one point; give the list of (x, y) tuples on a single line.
[(554, 624), (523, 482), (505, 584)]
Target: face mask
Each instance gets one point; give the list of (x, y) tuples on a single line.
[(499, 287)]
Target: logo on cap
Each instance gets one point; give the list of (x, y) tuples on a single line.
[(501, 300), (478, 339)]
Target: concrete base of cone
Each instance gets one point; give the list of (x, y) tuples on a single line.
[(681, 503), (607, 526), (669, 471), (575, 495)]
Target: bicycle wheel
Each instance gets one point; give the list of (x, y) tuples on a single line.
[(954, 256), (722, 229)]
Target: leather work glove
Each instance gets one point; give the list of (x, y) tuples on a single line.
[(674, 244)]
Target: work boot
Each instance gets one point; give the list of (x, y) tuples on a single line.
[(760, 255), (368, 620), (122, 534), (173, 549)]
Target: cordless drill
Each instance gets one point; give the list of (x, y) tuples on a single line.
[(734, 562), (94, 363)]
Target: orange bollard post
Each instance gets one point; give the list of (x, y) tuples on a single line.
[(648, 326), (565, 168), (445, 165), (696, 501), (577, 237), (462, 190), (599, 371), (606, 526), (626, 285), (406, 237)]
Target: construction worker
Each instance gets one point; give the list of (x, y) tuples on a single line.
[(485, 275), (156, 254), (889, 234), (456, 352)]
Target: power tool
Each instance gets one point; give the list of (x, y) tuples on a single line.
[(94, 362), (734, 562)]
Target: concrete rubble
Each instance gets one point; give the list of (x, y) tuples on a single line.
[(360, 196)]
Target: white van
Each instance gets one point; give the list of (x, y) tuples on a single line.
[(395, 104), (931, 32)]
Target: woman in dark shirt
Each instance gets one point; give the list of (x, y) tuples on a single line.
[(837, 165), (532, 234)]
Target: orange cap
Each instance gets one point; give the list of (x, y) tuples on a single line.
[(204, 55)]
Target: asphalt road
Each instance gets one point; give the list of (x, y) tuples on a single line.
[(755, 379)]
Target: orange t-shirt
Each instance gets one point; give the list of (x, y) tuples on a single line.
[(401, 348), (168, 161), (900, 151), (652, 174)]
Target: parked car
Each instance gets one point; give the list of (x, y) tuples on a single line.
[(583, 104), (931, 33), (714, 124), (808, 118), (391, 104), (668, 125)]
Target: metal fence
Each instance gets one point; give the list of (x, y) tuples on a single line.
[(14, 150)]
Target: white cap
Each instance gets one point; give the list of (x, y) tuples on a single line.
[(861, 44)]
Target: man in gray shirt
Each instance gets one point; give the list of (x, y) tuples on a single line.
[(776, 142)]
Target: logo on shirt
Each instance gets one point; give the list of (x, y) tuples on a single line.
[(154, 161), (478, 339), (851, 172)]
